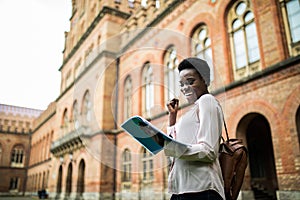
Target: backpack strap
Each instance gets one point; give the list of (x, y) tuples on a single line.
[(227, 136), (225, 130)]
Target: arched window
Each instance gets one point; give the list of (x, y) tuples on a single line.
[(171, 75), (201, 44), (69, 180), (127, 97), (44, 180), (87, 107), (148, 89), (59, 180), (47, 179), (80, 180), (65, 122), (75, 115), (243, 37), (17, 156), (126, 165), (291, 13), (147, 164)]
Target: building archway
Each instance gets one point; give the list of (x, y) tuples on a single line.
[(59, 181), (69, 180), (255, 129), (80, 181)]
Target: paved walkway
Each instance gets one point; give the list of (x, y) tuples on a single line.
[(18, 198)]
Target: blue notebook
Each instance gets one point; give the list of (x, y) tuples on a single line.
[(153, 139)]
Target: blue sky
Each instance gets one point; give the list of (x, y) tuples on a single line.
[(31, 45)]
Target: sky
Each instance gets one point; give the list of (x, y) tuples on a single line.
[(31, 46)]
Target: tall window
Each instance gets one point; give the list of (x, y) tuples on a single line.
[(148, 89), (201, 45), (126, 165), (17, 156), (291, 11), (69, 180), (75, 115), (87, 107), (44, 180), (147, 163), (14, 183), (47, 178), (127, 97), (59, 180), (80, 180), (65, 121), (244, 42), (171, 75)]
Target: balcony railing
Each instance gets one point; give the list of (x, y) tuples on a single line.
[(71, 141)]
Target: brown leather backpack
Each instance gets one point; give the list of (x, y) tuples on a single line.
[(233, 160)]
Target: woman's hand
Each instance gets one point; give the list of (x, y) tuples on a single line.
[(172, 108)]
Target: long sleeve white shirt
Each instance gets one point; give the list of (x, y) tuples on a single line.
[(197, 168)]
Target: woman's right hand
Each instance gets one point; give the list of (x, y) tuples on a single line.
[(173, 108)]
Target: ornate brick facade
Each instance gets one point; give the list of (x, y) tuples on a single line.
[(117, 63)]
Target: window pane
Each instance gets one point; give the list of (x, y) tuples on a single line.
[(293, 9), (202, 45), (144, 170), (240, 9), (151, 169), (202, 34), (201, 55), (171, 82), (236, 24), (149, 89), (199, 47), (173, 54), (208, 58), (207, 42), (127, 97), (249, 16), (87, 107), (240, 49), (252, 42), (76, 115)]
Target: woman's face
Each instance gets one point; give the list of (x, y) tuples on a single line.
[(192, 84)]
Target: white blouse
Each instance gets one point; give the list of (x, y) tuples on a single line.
[(197, 167)]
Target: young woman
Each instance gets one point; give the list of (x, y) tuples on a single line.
[(195, 173)]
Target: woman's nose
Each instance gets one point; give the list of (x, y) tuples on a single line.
[(184, 87)]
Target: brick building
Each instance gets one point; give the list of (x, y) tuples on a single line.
[(120, 60), (15, 128)]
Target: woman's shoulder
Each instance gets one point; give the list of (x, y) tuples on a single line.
[(205, 98)]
